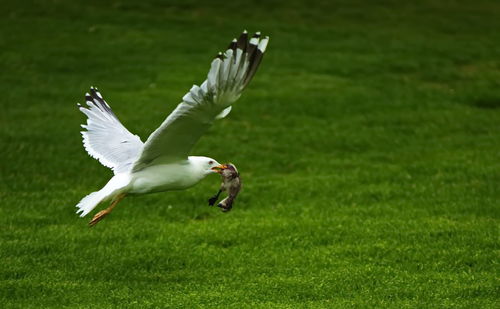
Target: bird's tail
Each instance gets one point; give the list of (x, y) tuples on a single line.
[(111, 189), (88, 203)]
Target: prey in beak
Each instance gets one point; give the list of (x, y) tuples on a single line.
[(231, 183), (219, 168)]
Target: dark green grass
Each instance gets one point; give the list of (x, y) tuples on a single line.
[(369, 146)]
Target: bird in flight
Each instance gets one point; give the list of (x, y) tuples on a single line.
[(163, 163)]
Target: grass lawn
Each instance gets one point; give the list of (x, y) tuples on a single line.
[(368, 143)]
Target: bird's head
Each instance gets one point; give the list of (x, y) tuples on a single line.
[(210, 166), (203, 165)]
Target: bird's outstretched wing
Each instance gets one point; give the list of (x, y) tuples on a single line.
[(105, 138), (229, 74)]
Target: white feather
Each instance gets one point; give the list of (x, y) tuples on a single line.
[(213, 74), (224, 113), (263, 44), (106, 139)]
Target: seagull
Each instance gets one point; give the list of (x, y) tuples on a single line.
[(163, 163)]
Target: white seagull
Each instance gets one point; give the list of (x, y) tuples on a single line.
[(162, 162)]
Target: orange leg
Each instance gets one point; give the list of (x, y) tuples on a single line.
[(103, 213)]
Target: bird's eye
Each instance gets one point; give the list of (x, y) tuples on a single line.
[(210, 162)]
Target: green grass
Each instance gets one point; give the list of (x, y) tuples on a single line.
[(369, 147)]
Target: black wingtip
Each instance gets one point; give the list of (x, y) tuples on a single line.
[(255, 60), (220, 56), (242, 42), (232, 45), (93, 92), (96, 97)]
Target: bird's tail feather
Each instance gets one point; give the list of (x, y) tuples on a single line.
[(110, 190), (88, 203)]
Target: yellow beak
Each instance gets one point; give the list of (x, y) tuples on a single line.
[(219, 168)]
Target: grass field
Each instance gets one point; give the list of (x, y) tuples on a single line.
[(368, 143)]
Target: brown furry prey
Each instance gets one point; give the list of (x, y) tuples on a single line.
[(231, 183)]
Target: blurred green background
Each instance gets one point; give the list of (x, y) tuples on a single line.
[(368, 143)]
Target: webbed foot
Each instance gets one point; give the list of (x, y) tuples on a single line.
[(98, 217)]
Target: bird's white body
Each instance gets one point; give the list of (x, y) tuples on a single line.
[(156, 178), (162, 162), (167, 177)]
